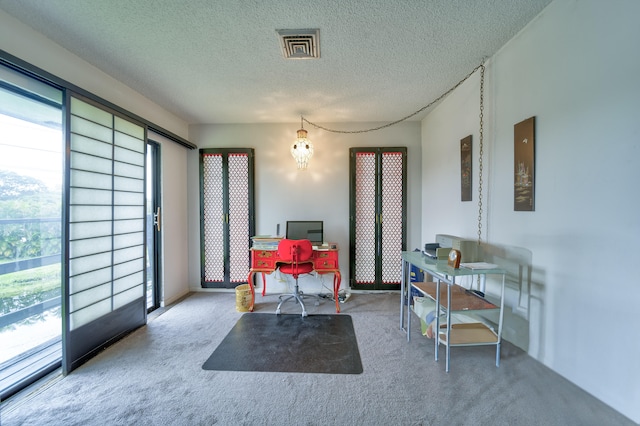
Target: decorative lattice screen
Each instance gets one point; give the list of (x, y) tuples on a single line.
[(226, 216), (391, 216), (214, 219), (379, 215), (365, 245), (238, 217)]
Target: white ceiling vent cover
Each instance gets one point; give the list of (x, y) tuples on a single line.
[(300, 44)]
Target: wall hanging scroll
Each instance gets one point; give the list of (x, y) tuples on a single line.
[(524, 164), (465, 168)]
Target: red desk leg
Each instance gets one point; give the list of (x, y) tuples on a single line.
[(253, 293), (336, 289)]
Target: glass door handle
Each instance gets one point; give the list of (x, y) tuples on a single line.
[(156, 219)]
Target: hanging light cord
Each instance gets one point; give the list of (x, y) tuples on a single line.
[(480, 155), (480, 168), (438, 99)]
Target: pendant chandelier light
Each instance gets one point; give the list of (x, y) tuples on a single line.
[(302, 148)]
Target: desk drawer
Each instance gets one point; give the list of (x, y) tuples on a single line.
[(263, 259), (326, 260), (264, 263), (328, 254), (321, 264)]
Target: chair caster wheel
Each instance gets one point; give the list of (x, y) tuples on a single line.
[(277, 311), (304, 314)]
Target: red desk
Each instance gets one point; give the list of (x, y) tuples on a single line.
[(265, 262)]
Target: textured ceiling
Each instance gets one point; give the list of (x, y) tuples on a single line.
[(221, 62)]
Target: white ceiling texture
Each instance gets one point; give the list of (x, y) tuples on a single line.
[(221, 61)]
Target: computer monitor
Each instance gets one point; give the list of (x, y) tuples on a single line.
[(311, 230)]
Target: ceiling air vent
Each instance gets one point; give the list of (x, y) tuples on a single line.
[(300, 44)]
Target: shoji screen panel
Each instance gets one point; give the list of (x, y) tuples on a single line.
[(128, 213), (90, 213), (106, 233)]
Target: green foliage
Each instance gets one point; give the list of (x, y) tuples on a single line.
[(28, 240), (22, 289), (46, 204), (13, 185), (26, 197)]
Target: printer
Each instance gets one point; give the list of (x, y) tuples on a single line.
[(444, 243)]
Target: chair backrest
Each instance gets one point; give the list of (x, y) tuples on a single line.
[(295, 251)]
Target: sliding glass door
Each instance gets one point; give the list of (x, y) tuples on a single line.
[(53, 311), (154, 224), (79, 224), (31, 181)]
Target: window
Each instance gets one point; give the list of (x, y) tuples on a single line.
[(31, 182), (79, 261)]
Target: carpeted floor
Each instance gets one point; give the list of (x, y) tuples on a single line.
[(289, 343), (154, 376)]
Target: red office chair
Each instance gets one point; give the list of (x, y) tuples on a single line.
[(296, 255)]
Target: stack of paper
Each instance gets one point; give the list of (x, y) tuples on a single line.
[(265, 242), (478, 265)]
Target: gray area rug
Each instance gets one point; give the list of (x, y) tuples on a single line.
[(154, 376), (289, 343)]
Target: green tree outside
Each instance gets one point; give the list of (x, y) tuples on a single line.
[(24, 197)]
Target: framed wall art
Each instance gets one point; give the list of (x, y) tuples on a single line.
[(465, 168), (524, 165)]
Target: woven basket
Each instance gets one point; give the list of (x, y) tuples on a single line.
[(243, 298)]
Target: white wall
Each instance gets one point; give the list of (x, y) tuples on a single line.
[(32, 47), (575, 68), (285, 193)]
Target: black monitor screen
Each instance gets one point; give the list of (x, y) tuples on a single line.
[(305, 230)]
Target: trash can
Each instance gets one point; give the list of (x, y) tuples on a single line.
[(243, 298)]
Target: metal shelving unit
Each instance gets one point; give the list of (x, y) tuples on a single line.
[(451, 298)]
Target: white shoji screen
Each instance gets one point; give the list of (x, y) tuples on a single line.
[(106, 213)]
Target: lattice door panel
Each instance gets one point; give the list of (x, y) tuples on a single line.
[(391, 217), (365, 218), (238, 217), (378, 216), (227, 215), (214, 217)]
